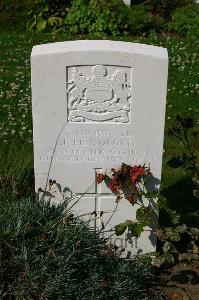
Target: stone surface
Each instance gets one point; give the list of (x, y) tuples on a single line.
[(127, 2), (97, 104)]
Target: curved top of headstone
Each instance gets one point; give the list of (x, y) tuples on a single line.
[(99, 45)]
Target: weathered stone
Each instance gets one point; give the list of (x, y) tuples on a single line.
[(96, 105)]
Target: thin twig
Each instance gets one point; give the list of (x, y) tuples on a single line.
[(54, 153)]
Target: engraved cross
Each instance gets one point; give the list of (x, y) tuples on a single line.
[(98, 205)]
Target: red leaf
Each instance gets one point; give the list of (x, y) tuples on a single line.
[(100, 178)]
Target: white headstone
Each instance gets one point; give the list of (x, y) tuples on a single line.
[(96, 105), (127, 2)]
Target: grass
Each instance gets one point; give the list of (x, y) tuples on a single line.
[(45, 254)]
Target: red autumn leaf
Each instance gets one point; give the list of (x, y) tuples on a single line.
[(136, 172), (100, 178), (113, 186)]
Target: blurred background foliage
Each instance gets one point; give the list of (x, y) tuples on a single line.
[(101, 17)]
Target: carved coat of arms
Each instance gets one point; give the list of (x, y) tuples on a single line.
[(98, 97)]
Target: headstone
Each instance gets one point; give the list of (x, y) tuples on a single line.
[(96, 105), (127, 2)]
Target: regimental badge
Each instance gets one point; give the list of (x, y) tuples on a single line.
[(100, 97)]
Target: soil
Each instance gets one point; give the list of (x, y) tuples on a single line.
[(180, 282)]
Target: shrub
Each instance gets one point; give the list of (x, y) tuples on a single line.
[(110, 16), (45, 14), (139, 19), (58, 7), (11, 14), (165, 7), (79, 17), (35, 13), (47, 254), (185, 21), (142, 21), (97, 17)]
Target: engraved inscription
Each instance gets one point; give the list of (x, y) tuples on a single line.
[(99, 94), (96, 146)]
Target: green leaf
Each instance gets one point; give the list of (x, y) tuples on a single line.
[(128, 222), (195, 232), (166, 247), (46, 8), (30, 24), (169, 258), (41, 24), (136, 229), (174, 216), (51, 21), (162, 202), (54, 21), (143, 216), (175, 236), (168, 232), (158, 261), (29, 12), (182, 228), (120, 228)]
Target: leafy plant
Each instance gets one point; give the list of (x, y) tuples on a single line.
[(42, 15), (97, 17), (140, 19), (132, 183), (11, 14), (185, 21), (165, 7), (110, 16), (37, 17), (79, 17), (185, 133)]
